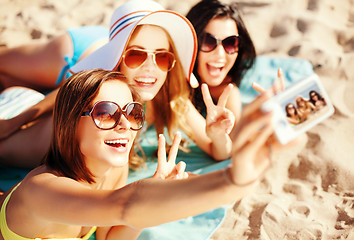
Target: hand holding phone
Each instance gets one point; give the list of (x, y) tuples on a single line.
[(298, 108)]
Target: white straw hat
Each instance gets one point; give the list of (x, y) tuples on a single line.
[(123, 22)]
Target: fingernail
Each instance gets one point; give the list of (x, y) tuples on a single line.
[(280, 71)]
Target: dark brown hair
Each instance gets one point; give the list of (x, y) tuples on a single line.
[(200, 15), (76, 95)]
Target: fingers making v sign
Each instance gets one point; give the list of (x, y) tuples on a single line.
[(167, 168), (219, 119)]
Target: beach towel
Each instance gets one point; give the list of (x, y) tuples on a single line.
[(202, 226), (15, 100)]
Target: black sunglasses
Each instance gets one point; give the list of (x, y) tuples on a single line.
[(210, 42), (106, 115)]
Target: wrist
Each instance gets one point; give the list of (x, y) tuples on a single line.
[(229, 179)]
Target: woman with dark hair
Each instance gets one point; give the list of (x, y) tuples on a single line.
[(317, 100), (83, 180), (225, 51)]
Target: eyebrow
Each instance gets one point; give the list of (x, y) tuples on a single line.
[(139, 47)]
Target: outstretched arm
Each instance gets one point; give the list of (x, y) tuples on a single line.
[(252, 139), (151, 202)]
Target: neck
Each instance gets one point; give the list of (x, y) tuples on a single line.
[(149, 113), (111, 179), (216, 91)]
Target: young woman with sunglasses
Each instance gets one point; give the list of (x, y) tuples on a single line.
[(81, 186), (293, 115), (156, 50), (317, 100), (225, 51), (304, 107)]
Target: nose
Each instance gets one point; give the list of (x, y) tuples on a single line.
[(123, 124), (149, 62), (219, 50)]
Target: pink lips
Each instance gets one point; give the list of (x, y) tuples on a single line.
[(145, 81), (121, 144), (214, 71)]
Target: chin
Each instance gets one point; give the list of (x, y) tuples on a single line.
[(214, 82), (145, 96), (120, 162)]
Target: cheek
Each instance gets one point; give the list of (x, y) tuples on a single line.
[(162, 76), (86, 135), (201, 63), (134, 134), (128, 73), (201, 59), (231, 59)]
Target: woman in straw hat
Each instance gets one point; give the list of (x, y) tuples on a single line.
[(81, 186), (156, 50)]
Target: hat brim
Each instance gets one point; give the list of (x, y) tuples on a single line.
[(178, 27)]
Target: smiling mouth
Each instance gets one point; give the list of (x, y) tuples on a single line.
[(118, 143), (145, 81), (215, 68)]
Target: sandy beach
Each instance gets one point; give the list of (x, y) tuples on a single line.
[(309, 192)]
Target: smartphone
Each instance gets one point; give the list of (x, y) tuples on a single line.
[(299, 108)]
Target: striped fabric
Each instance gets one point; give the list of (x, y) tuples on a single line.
[(15, 100), (125, 21)]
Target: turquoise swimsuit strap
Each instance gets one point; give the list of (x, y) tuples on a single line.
[(64, 69)]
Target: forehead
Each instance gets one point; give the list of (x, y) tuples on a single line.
[(115, 91), (149, 37), (221, 27)]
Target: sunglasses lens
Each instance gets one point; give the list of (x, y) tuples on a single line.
[(165, 60), (230, 44), (134, 58), (106, 114), (134, 112), (209, 43)]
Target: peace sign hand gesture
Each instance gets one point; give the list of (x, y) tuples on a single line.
[(219, 120), (167, 169)]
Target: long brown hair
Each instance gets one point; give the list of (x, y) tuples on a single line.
[(170, 103), (75, 95)]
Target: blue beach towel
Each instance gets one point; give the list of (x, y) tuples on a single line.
[(195, 227), (202, 226), (264, 72)]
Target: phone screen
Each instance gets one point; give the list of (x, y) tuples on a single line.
[(299, 108)]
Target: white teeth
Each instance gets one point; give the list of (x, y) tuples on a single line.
[(145, 80), (216, 65), (118, 141)]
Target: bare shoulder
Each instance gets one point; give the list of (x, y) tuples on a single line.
[(234, 102), (235, 95), (235, 91)]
